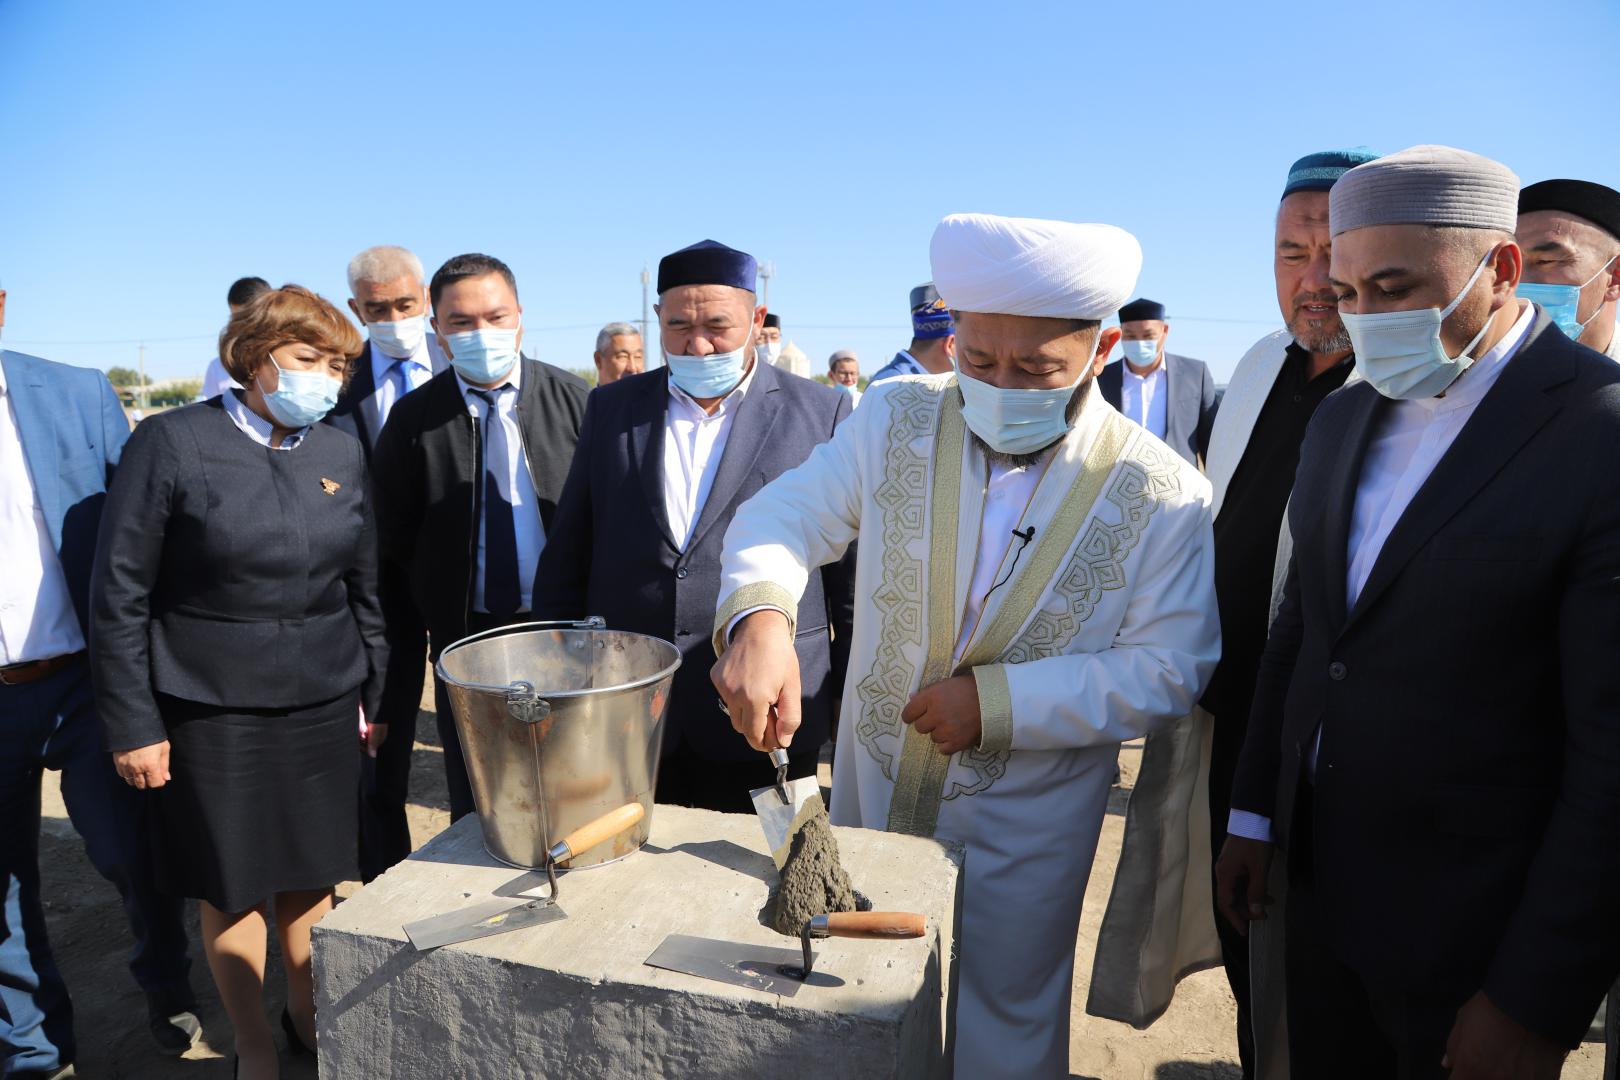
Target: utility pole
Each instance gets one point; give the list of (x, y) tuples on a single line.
[(141, 368), (646, 342), (766, 271)]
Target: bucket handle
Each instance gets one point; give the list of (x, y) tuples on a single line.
[(590, 622), (522, 703)]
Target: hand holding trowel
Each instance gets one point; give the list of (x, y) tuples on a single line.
[(758, 680), (502, 915)]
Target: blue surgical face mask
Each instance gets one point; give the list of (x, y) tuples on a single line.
[(1015, 421), (712, 376), (484, 355), (301, 398), (1140, 353), (1563, 302), (1400, 352)]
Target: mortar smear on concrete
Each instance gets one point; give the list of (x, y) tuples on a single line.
[(813, 880)]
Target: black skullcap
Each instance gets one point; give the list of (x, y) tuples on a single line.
[(1141, 310), (707, 262), (1598, 204)]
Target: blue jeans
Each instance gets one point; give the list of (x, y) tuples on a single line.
[(51, 724)]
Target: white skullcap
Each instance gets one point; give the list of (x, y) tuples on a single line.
[(1426, 185), (1025, 266)]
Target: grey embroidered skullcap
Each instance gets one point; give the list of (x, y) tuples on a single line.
[(1426, 185)]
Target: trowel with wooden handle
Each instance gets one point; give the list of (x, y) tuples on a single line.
[(784, 807), (778, 971), (501, 915)]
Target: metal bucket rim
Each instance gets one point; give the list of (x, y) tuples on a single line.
[(535, 627)]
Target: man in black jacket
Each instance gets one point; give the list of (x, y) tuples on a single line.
[(468, 470), (1435, 740), (665, 458), (389, 297)]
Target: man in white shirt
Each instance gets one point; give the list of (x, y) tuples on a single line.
[(1435, 737), (1172, 396), (216, 380), (665, 459), (387, 293), (61, 433)]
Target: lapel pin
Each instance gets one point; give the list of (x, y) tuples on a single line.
[(330, 486)]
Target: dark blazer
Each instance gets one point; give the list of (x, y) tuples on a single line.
[(233, 575), (612, 553), (1467, 792), (354, 413), (425, 471), (72, 430), (1189, 414)]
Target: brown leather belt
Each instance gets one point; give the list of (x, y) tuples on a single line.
[(35, 670)]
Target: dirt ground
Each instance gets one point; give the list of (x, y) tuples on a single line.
[(1192, 1041)]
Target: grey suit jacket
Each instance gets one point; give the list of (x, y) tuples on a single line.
[(611, 553), (1189, 415)]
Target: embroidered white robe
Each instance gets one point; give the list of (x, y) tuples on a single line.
[(1106, 629)]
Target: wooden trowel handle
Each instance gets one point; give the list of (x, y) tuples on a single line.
[(590, 834), (873, 924)]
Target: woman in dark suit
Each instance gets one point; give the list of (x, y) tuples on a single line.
[(237, 645)]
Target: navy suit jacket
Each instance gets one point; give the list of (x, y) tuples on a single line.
[(611, 553), (73, 430), (1467, 703), (1189, 414)]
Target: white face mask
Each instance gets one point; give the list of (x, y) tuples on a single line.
[(1013, 421), (399, 340), (1400, 352), (768, 351)]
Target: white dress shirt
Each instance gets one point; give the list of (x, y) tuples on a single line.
[(694, 443), (1410, 440), (395, 377), (37, 620), (1007, 494), (255, 426), (516, 484), (1142, 397), (216, 380)]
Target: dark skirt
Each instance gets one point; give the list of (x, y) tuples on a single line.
[(259, 801)]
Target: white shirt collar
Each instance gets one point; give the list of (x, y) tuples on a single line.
[(255, 426), (1158, 369), (514, 379), (1476, 382), (727, 403), (3, 373)]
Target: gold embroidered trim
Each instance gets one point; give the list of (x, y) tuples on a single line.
[(898, 594), (1034, 578), (753, 595), (920, 779), (995, 707)]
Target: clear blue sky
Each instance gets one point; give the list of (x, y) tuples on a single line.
[(155, 152)]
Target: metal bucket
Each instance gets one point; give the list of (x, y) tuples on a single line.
[(559, 723)]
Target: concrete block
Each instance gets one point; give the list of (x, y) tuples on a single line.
[(574, 999)]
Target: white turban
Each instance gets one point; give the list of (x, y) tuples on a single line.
[(1025, 266)]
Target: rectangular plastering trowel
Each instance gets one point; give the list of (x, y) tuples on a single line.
[(502, 915), (779, 971)]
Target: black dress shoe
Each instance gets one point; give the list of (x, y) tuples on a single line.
[(174, 1026), (294, 1043)]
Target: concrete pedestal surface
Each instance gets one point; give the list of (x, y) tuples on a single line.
[(574, 998)]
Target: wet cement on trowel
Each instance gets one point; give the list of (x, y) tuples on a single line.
[(813, 880)]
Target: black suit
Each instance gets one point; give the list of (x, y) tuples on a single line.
[(426, 473), (613, 555), (1463, 827), (385, 833), (1189, 411)]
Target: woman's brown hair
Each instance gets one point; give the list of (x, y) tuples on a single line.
[(280, 317)]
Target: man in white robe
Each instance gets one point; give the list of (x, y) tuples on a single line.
[(1034, 586)]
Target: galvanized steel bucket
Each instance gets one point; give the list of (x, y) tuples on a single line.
[(560, 722)]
